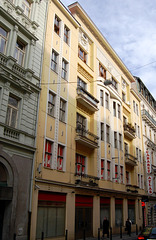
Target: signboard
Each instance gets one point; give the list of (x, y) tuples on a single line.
[(150, 184), (148, 162)]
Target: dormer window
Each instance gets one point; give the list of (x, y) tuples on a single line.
[(26, 6)]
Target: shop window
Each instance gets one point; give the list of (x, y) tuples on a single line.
[(57, 25), (20, 52), (104, 210), (3, 39), (51, 215), (102, 168), (66, 34), (60, 157), (118, 212), (80, 164), (131, 210), (48, 154), (82, 55), (51, 104), (12, 111), (54, 61), (26, 6)]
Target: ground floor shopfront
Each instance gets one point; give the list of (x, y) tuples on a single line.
[(77, 209)]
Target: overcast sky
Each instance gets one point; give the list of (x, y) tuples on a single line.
[(130, 28)]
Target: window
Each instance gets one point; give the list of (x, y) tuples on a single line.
[(145, 130), (124, 120), (81, 83), (102, 71), (107, 100), (127, 178), (137, 152), (66, 34), (57, 25), (131, 211), (133, 105), (64, 69), (102, 168), (116, 173), (107, 134), (138, 131), (102, 131), (150, 134), (119, 111), (139, 180), (120, 141), (115, 140), (108, 170), (48, 154), (114, 84), (126, 148), (142, 186), (51, 104), (114, 109), (60, 152), (82, 55), (81, 124), (3, 39), (121, 174), (20, 52), (135, 126), (80, 164), (137, 110), (62, 110), (140, 156), (12, 111), (123, 97), (26, 6), (101, 97), (54, 61)]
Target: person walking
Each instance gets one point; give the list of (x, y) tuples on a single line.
[(128, 227), (106, 227)]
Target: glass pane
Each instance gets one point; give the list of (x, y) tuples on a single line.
[(8, 115), (40, 222), (104, 212), (13, 101), (118, 216), (2, 45), (13, 118), (60, 218), (51, 222)]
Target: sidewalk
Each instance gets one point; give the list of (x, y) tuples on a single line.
[(116, 237)]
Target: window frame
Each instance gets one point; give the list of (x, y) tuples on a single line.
[(102, 71), (19, 51), (81, 162), (60, 157), (108, 170), (64, 73), (26, 6), (57, 21), (107, 133), (114, 84), (115, 140), (51, 104), (54, 61), (101, 98), (10, 111), (48, 153), (82, 54), (62, 110), (102, 131), (102, 168), (66, 34), (5, 38), (106, 100)]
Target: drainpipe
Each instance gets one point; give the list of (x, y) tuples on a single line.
[(34, 157)]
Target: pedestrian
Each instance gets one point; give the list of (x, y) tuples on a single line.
[(106, 227), (128, 226)]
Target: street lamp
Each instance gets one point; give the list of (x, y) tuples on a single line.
[(107, 82)]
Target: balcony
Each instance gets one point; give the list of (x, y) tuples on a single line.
[(129, 131), (130, 160), (148, 119), (86, 180), (86, 100), (86, 138)]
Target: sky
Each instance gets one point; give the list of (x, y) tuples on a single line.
[(130, 28)]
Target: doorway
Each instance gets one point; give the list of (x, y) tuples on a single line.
[(2, 208)]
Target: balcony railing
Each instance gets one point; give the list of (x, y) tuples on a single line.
[(87, 100), (86, 137), (148, 118), (130, 159), (129, 131), (86, 180)]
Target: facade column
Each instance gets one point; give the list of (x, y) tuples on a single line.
[(96, 215), (125, 210), (112, 212), (70, 215), (13, 42), (31, 53)]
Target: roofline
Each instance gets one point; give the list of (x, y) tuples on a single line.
[(107, 46)]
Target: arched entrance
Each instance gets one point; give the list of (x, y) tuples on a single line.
[(6, 192)]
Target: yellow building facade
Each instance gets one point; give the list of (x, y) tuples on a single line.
[(89, 161)]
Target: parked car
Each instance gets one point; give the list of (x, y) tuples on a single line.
[(145, 233), (152, 234)]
